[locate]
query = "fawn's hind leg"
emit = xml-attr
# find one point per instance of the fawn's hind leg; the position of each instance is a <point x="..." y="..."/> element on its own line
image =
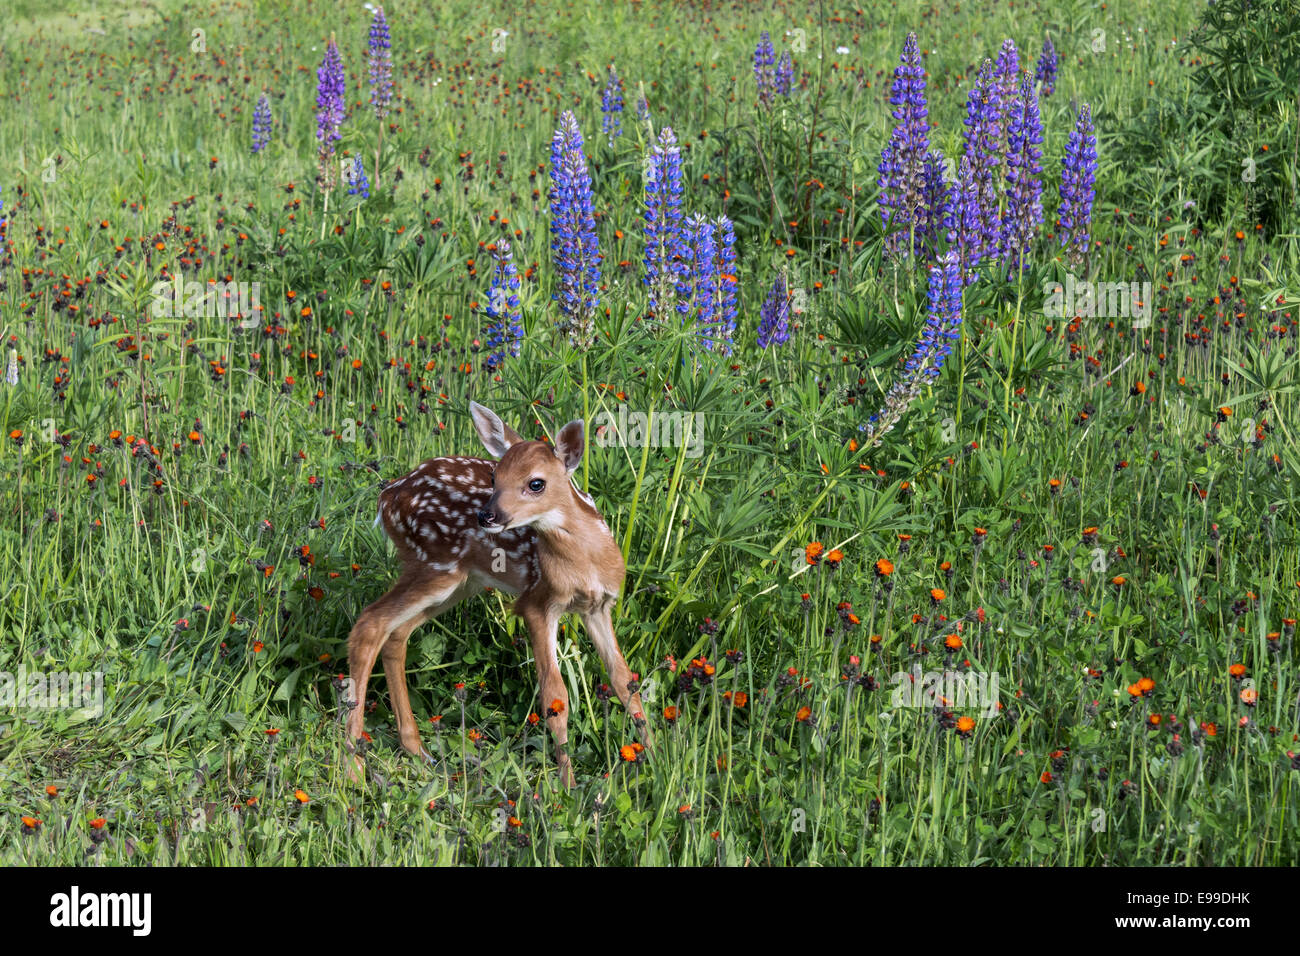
<point x="442" y="595"/>
<point x="412" y="600"/>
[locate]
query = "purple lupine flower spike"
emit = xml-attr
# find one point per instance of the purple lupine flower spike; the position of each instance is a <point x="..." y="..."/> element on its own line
<point x="1008" y="79"/>
<point x="358" y="182"/>
<point x="784" y="74"/>
<point x="663" y="219"/>
<point x="611" y="105"/>
<point x="728" y="283"/>
<point x="506" y="331"/>
<point x="708" y="289"/>
<point x="983" y="152"/>
<point x="573" y="233"/>
<point x="774" y="316"/>
<point x="942" y="329"/>
<point x="939" y="200"/>
<point x="330" y="110"/>
<point x="902" y="174"/>
<point x="380" y="60"/>
<point x="1078" y="178"/>
<point x="697" y="286"/>
<point x="966" y="221"/>
<point x="261" y="124"/>
<point x="764" y="72"/>
<point x="1045" y="71"/>
<point x="1024" y="186"/>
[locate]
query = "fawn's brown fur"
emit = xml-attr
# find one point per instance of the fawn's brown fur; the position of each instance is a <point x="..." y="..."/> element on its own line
<point x="518" y="524"/>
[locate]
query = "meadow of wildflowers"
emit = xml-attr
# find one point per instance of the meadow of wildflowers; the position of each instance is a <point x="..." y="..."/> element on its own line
<point x="958" y="494"/>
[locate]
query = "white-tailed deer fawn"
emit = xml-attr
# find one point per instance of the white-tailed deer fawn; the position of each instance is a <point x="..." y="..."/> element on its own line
<point x="517" y="524"/>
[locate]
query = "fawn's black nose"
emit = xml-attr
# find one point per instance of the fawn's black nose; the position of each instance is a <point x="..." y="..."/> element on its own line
<point x="486" y="519"/>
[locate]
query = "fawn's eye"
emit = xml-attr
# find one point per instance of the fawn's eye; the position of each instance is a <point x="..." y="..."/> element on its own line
<point x="536" y="484"/>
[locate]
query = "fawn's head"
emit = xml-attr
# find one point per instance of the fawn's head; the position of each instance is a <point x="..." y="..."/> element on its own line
<point x="530" y="484"/>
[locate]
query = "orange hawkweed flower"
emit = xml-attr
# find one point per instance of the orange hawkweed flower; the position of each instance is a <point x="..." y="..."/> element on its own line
<point x="740" y="699"/>
<point x="937" y="595"/>
<point x="1146" y="685"/>
<point x="965" y="725"/>
<point x="952" y="642"/>
<point x="52" y="791"/>
<point x="835" y="556"/>
<point x="814" y="552"/>
<point x="556" y="708"/>
<point x="301" y="796"/>
<point x="1249" y="696"/>
<point x="1238" y="671"/>
<point x="671" y="714"/>
<point x="804" y="713"/>
<point x="884" y="567"/>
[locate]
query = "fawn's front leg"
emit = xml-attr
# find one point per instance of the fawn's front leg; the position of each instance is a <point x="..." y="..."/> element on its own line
<point x="542" y="624"/>
<point x="600" y="626"/>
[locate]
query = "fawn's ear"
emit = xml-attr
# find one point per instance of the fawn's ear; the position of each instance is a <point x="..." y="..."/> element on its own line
<point x="497" y="436"/>
<point x="568" y="445"/>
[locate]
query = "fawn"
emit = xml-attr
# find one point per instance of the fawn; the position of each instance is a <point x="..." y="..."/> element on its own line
<point x="518" y="524"/>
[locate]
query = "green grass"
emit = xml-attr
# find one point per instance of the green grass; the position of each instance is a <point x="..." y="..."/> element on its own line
<point x="181" y="574"/>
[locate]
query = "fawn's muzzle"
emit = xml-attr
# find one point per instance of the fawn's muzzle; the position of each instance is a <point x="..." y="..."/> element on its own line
<point x="488" y="518"/>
